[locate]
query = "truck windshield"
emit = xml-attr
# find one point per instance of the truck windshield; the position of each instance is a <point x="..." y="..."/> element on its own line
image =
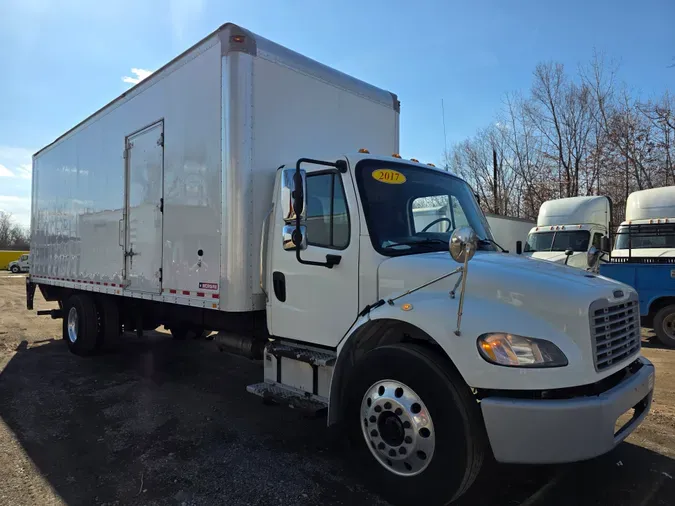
<point x="646" y="236"/>
<point x="412" y="209"/>
<point x="576" y="240"/>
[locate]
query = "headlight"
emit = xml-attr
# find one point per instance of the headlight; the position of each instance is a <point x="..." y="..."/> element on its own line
<point x="518" y="351"/>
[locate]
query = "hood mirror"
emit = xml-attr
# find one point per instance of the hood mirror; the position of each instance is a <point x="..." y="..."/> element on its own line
<point x="593" y="257"/>
<point x="463" y="244"/>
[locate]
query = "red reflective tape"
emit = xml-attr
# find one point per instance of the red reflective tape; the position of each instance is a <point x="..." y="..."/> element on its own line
<point x="105" y="284"/>
<point x="172" y="290"/>
<point x="186" y="292"/>
<point x="98" y="282"/>
<point x="200" y="294"/>
<point x="113" y="284"/>
<point x="215" y="296"/>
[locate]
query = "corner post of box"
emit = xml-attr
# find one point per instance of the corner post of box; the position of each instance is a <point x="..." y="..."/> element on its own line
<point x="235" y="38"/>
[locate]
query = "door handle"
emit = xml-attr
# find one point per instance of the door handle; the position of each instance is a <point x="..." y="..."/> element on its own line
<point x="119" y="233"/>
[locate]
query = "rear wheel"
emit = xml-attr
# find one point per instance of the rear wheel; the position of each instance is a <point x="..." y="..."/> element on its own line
<point x="80" y="324"/>
<point x="664" y="325"/>
<point x="415" y="424"/>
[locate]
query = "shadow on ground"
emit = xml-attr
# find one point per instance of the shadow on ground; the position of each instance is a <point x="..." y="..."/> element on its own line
<point x="166" y="422"/>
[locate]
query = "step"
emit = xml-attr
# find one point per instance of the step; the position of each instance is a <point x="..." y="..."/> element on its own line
<point x="302" y="354"/>
<point x="306" y="403"/>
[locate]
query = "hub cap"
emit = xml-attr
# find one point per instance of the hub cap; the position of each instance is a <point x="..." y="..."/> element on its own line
<point x="397" y="427"/>
<point x="72" y="325"/>
<point x="669" y="325"/>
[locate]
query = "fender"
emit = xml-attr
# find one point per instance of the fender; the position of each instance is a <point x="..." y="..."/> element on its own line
<point x="432" y="316"/>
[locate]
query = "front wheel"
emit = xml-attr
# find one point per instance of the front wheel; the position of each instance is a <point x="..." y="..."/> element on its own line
<point x="664" y="325"/>
<point x="415" y="424"/>
<point x="16" y="269"/>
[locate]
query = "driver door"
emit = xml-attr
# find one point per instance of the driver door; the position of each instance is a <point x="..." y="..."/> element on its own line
<point x="313" y="303"/>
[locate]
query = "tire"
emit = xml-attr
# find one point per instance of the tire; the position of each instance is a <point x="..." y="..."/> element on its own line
<point x="109" y="327"/>
<point x="453" y="444"/>
<point x="80" y="324"/>
<point x="16" y="269"/>
<point x="664" y="325"/>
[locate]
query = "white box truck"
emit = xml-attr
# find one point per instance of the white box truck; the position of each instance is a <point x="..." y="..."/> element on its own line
<point x="649" y="228"/>
<point x="568" y="228"/>
<point x="224" y="192"/>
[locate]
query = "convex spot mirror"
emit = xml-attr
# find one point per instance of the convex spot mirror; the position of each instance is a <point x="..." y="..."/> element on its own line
<point x="463" y="244"/>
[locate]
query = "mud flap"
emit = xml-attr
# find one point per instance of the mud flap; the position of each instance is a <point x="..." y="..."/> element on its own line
<point x="30" y="293"/>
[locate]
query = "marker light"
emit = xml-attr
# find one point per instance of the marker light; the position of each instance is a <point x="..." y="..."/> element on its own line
<point x="364" y="150"/>
<point x="431" y="165"/>
<point x="395" y="155"/>
<point x="238" y="39"/>
<point x="414" y="160"/>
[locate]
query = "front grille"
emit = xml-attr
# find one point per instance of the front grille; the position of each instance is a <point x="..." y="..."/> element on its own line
<point x="615" y="331"/>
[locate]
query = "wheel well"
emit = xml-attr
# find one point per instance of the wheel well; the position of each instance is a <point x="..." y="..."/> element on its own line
<point x="372" y="335"/>
<point x="659" y="304"/>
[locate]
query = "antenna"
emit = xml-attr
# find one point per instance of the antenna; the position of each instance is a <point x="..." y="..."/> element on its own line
<point x="445" y="134"/>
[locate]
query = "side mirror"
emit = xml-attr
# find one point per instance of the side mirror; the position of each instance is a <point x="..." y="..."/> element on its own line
<point x="593" y="257"/>
<point x="605" y="245"/>
<point x="519" y="247"/>
<point x="463" y="244"/>
<point x="293" y="237"/>
<point x="293" y="191"/>
<point x="568" y="252"/>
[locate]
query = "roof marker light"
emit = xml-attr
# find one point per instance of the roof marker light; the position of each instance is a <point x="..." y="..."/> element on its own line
<point x="364" y="150"/>
<point x="431" y="165"/>
<point x="395" y="155"/>
<point x="414" y="160"/>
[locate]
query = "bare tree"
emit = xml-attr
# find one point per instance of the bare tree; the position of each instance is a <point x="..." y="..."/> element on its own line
<point x="12" y="235"/>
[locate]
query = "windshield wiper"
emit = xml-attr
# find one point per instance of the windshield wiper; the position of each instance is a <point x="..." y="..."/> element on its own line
<point x="424" y="242"/>
<point x="492" y="241"/>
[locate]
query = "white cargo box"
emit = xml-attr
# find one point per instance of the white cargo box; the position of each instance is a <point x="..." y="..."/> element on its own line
<point x="196" y="145"/>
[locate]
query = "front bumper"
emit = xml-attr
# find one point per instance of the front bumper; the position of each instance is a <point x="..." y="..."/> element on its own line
<point x="553" y="431"/>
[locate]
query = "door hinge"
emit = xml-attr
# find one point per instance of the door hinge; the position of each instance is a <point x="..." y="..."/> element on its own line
<point x="161" y="205"/>
<point x="160" y="141"/>
<point x="125" y="153"/>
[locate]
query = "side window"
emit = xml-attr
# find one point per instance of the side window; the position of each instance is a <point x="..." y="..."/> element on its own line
<point x="327" y="215"/>
<point x="597" y="240"/>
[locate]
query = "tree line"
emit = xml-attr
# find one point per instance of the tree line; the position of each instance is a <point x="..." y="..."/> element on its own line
<point x="12" y="235"/>
<point x="571" y="134"/>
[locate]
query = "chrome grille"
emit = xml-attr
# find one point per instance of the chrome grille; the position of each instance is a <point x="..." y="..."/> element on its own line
<point x="615" y="331"/>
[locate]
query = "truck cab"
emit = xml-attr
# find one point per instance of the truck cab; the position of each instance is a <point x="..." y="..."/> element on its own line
<point x="20" y="265"/>
<point x="649" y="228"/>
<point x="568" y="228"/>
<point x="416" y="334"/>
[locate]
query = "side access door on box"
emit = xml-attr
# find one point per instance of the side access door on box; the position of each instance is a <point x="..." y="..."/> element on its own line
<point x="144" y="209"/>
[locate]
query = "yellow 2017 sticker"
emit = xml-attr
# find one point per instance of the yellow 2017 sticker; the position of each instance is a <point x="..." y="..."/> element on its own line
<point x="388" y="176"/>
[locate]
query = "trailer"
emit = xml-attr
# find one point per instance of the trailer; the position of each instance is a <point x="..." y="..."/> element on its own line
<point x="248" y="190"/>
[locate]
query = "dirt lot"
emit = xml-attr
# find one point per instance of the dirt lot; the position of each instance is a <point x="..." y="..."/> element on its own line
<point x="158" y="421"/>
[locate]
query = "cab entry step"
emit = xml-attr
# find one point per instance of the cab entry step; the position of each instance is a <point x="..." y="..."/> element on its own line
<point x="306" y="403"/>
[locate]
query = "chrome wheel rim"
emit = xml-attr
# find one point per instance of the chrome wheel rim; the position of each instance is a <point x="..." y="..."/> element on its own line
<point x="72" y="325"/>
<point x="397" y="427"/>
<point x="669" y="325"/>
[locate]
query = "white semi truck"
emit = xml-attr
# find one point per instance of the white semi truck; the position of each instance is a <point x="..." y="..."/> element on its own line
<point x="649" y="228"/>
<point x="568" y="228"/>
<point x="233" y="200"/>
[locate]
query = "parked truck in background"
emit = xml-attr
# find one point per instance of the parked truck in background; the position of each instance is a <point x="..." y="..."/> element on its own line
<point x="644" y="258"/>
<point x="568" y="228"/>
<point x="22" y="264"/>
<point x="234" y="201"/>
<point x="648" y="230"/>
<point x="8" y="257"/>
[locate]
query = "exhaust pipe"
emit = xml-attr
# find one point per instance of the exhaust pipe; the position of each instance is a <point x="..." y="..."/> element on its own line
<point x="249" y="347"/>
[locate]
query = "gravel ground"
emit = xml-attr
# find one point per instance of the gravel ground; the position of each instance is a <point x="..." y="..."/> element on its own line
<point x="157" y="421"/>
